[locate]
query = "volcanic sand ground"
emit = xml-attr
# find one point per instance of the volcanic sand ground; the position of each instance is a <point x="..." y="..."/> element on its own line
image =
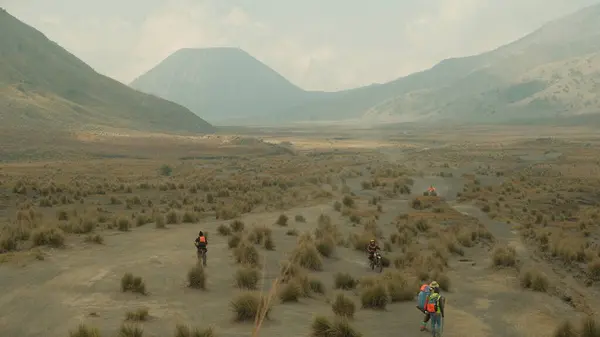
<point x="81" y="284"/>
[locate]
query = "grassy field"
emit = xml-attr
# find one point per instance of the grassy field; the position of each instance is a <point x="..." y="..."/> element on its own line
<point x="97" y="232"/>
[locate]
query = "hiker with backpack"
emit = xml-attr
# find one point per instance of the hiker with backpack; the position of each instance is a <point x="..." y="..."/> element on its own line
<point x="424" y="293"/>
<point x="435" y="308"/>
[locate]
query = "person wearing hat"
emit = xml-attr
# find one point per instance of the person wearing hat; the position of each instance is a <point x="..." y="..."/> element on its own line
<point x="426" y="291"/>
<point x="435" y="309"/>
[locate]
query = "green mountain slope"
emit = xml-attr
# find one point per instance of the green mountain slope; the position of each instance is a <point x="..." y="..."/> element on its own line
<point x="44" y="86"/>
<point x="221" y="84"/>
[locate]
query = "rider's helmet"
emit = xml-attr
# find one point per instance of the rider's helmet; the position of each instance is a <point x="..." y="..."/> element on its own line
<point x="201" y="233"/>
<point x="372" y="241"/>
<point x="434" y="285"/>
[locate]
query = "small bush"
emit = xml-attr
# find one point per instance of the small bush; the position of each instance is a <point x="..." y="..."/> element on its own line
<point x="133" y="284"/>
<point x="374" y="297"/>
<point x="504" y="256"/>
<point x="322" y="327"/>
<point x="234" y="241"/>
<point x="326" y="246"/>
<point x="316" y="286"/>
<point x="237" y="226"/>
<point x="123" y="224"/>
<point x="186" y="331"/>
<point x="348" y="201"/>
<point x="269" y="244"/>
<point x="290" y="292"/>
<point x="534" y="280"/>
<point x="309" y="257"/>
<point x="594" y="269"/>
<point x="399" y="290"/>
<point x="84" y="331"/>
<point x="245" y="253"/>
<point x="247" y="306"/>
<point x="292" y="232"/>
<point x="130" y="330"/>
<point x="223" y="230"/>
<point x="590" y="327"/>
<point x="247" y="278"/>
<point x="141" y="314"/>
<point x="282" y="220"/>
<point x="300" y="218"/>
<point x="51" y="236"/>
<point x="172" y="218"/>
<point x="197" y="277"/>
<point x="442" y="279"/>
<point x="97" y="238"/>
<point x="344" y="281"/>
<point x="566" y="329"/>
<point x="159" y="221"/>
<point x="343" y="306"/>
<point x="290" y="270"/>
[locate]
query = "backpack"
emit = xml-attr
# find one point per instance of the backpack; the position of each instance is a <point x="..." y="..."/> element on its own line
<point x="422" y="297"/>
<point x="433" y="303"/>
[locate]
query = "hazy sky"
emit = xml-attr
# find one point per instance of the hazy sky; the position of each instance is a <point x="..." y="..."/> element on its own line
<point x="326" y="44"/>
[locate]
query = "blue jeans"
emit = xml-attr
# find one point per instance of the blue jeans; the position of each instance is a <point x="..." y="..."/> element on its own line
<point x="436" y="324"/>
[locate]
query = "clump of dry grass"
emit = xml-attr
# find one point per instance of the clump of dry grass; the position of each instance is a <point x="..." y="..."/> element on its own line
<point x="248" y="305"/>
<point x="84" y="331"/>
<point x="123" y="224"/>
<point x="282" y="220"/>
<point x="187" y="331"/>
<point x="398" y="288"/>
<point x="594" y="269"/>
<point x="48" y="236"/>
<point x="535" y="280"/>
<point x="224" y="230"/>
<point x="197" y="277"/>
<point x="374" y="297"/>
<point x="138" y="315"/>
<point x="247" y="278"/>
<point x="290" y="292"/>
<point x="325" y="246"/>
<point x="234" y="241"/>
<point x="323" y="327"/>
<point x="344" y="281"/>
<point x="504" y="256"/>
<point x="133" y="284"/>
<point x="131" y="330"/>
<point x="97" y="238"/>
<point x="308" y="256"/>
<point x="316" y="286"/>
<point x="589" y="328"/>
<point x="159" y="221"/>
<point x="237" y="226"/>
<point x="343" y="306"/>
<point x="245" y="253"/>
<point x="259" y="234"/>
<point x="269" y="243"/>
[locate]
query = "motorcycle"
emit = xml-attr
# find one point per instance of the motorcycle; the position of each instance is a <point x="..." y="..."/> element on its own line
<point x="201" y="254"/>
<point x="376" y="262"/>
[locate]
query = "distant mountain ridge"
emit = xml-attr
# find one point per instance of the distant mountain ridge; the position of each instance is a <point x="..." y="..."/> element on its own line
<point x="219" y="83"/>
<point x="43" y="86"/>
<point x="554" y="72"/>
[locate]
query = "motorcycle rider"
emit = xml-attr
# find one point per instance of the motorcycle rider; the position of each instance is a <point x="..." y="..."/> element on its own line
<point x="372" y="248"/>
<point x="201" y="242"/>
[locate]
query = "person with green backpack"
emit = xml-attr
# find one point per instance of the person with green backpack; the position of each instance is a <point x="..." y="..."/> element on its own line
<point x="435" y="309"/>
